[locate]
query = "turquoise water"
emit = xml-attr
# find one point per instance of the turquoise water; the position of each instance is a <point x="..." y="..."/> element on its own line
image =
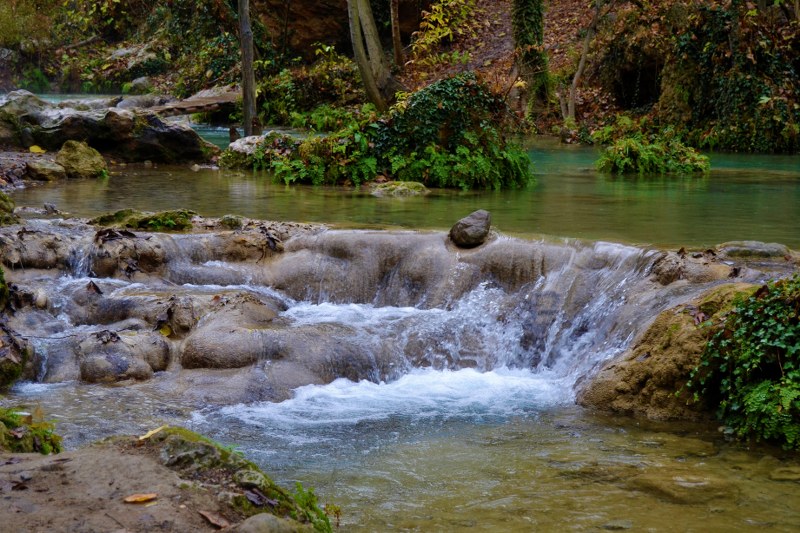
<point x="744" y="197"/>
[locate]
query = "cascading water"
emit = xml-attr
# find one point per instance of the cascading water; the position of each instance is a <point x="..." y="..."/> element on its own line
<point x="409" y="362"/>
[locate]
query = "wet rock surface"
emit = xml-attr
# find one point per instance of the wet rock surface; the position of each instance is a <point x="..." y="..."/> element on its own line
<point x="472" y="230"/>
<point x="646" y="380"/>
<point x="128" y="135"/>
<point x="212" y="308"/>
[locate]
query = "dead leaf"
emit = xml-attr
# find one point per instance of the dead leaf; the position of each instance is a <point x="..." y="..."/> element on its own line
<point x="141" y="498"/>
<point x="153" y="432"/>
<point x="37" y="149"/>
<point x="215" y="520"/>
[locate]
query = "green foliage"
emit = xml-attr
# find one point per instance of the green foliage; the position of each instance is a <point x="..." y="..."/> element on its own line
<point x="445" y="135"/>
<point x="34" y="80"/>
<point x="24" y="21"/>
<point x="750" y="368"/>
<point x="527" y="19"/>
<point x="656" y="154"/>
<point x="446" y="21"/>
<point x="448" y="135"/>
<point x="307" y="502"/>
<point x="287" y="96"/>
<point x="27" y="433"/>
<point x="741" y="79"/>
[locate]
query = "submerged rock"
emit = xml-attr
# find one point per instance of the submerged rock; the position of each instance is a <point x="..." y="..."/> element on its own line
<point x="79" y="160"/>
<point x="753" y="249"/>
<point x="472" y="230"/>
<point x="45" y="170"/>
<point x="399" y="188"/>
<point x="684" y="486"/>
<point x="645" y="379"/>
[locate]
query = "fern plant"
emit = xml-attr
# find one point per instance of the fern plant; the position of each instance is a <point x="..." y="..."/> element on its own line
<point x="750" y="368"/>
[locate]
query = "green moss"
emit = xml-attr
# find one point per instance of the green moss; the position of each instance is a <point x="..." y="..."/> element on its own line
<point x="7" y="210"/>
<point x="175" y="220"/>
<point x="22" y="433"/>
<point x="204" y="453"/>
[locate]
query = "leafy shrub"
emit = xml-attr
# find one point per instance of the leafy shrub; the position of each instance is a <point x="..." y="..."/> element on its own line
<point x="442" y="24"/>
<point x="750" y="368"/>
<point x="449" y="135"/>
<point x="740" y="82"/>
<point x="286" y="97"/>
<point x="658" y="154"/>
<point x="446" y="135"/>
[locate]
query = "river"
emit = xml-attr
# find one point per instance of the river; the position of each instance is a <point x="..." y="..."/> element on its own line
<point x="496" y="443"/>
<point x="750" y="197"/>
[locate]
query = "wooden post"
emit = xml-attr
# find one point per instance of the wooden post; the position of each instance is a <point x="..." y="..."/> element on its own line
<point x="248" y="76"/>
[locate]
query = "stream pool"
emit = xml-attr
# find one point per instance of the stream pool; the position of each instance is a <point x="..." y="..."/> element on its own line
<point x="743" y="198"/>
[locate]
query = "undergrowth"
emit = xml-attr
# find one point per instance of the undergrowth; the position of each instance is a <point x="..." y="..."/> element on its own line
<point x="449" y="134"/>
<point x="750" y="369"/>
<point x="638" y="153"/>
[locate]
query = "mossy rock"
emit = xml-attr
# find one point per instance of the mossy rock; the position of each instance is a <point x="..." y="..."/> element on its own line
<point x="400" y="189"/>
<point x="175" y="220"/>
<point x="20" y="433"/>
<point x="190" y="453"/>
<point x="7" y="210"/>
<point x="81" y="160"/>
<point x="649" y="378"/>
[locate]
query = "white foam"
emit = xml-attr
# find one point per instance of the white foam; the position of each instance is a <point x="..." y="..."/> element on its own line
<point x="420" y="395"/>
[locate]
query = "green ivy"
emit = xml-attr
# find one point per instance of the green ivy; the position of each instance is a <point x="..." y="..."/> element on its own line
<point x="750" y="368"/>
<point x="744" y="79"/>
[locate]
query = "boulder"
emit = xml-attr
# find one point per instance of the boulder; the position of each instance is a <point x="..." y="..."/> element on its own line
<point x="753" y="249"/>
<point x="128" y="135"/>
<point x="108" y="356"/>
<point x="141" y="85"/>
<point x="79" y="160"/>
<point x="13" y="354"/>
<point x="45" y="170"/>
<point x="644" y="380"/>
<point x="472" y="230"/>
<point x="229" y="335"/>
<point x="695" y="267"/>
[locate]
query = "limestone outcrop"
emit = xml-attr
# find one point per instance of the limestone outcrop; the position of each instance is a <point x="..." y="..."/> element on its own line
<point x="124" y="134"/>
<point x="648" y="379"/>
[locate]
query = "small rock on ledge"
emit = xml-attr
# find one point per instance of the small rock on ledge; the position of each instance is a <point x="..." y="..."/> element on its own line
<point x="472" y="230"/>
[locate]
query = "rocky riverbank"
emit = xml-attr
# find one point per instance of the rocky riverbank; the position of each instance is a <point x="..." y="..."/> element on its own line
<point x="171" y="480"/>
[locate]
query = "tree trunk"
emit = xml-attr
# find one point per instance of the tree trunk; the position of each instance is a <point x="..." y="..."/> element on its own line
<point x="364" y="66"/>
<point x="397" y="44"/>
<point x="379" y="82"/>
<point x="248" y="76"/>
<point x="590" y="32"/>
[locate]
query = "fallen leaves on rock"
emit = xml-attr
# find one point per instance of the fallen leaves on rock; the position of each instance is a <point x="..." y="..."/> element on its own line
<point x="141" y="498"/>
<point x="215" y="519"/>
